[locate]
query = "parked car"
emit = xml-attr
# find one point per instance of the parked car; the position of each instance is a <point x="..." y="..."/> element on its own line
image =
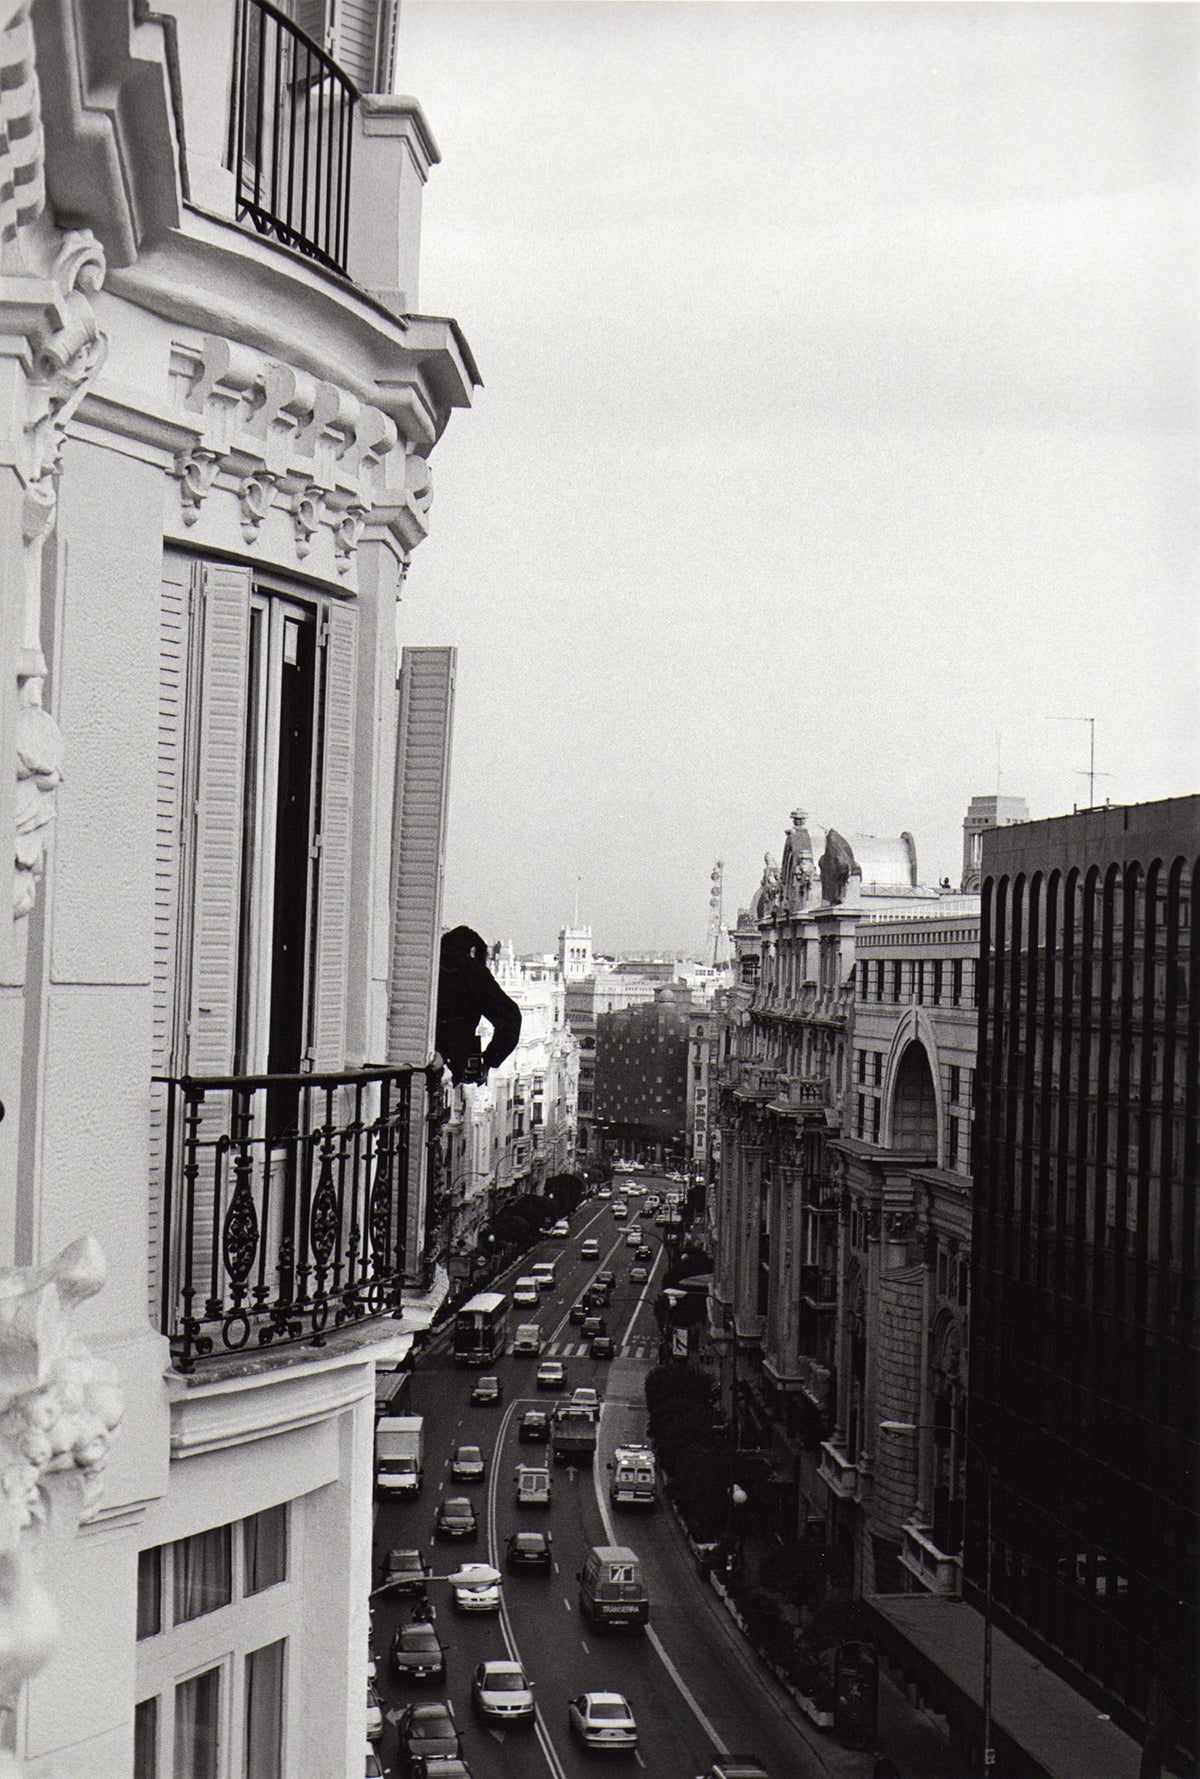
<point x="374" y="1715"/>
<point x="467" y="1464"/>
<point x="405" y="1571"/>
<point x="423" y="1730"/>
<point x="534" y="1427"/>
<point x="551" y="1375"/>
<point x="602" y="1346"/>
<point x="589" y="1248"/>
<point x="476" y="1596"/>
<point x="456" y="1518"/>
<point x="375" y="1768"/>
<point x="486" y="1389"/>
<point x="501" y="1691"/>
<point x="602" y="1720"/>
<point x="560" y="1229"/>
<point x="638" y="1275"/>
<point x="604" y="1192"/>
<point x="528" y="1550"/>
<point x="416" y="1653"/>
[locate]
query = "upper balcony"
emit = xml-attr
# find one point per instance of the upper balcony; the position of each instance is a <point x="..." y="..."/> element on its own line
<point x="287" y="1209"/>
<point x="936" y="1572"/>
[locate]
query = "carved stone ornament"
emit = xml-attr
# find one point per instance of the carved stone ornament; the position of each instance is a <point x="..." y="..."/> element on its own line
<point x="59" y="1410"/>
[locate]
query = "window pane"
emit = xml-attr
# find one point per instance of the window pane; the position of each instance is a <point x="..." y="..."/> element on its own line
<point x="197" y="1725"/>
<point x="264" y="1712"/>
<point x="145" y="1740"/>
<point x="203" y="1573"/>
<point x="265" y="1549"/>
<point x="149" y="1607"/>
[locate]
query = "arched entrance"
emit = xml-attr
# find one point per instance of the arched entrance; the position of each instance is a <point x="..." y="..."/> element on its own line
<point x="914" y="1104"/>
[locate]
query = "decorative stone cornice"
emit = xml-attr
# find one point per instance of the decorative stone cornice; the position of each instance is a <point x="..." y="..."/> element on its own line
<point x="282" y="440"/>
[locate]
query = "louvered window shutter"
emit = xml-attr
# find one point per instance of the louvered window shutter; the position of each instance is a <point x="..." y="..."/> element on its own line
<point x="313" y="18"/>
<point x="220" y="801"/>
<point x="334" y="817"/>
<point x="418" y="865"/>
<point x="422" y="788"/>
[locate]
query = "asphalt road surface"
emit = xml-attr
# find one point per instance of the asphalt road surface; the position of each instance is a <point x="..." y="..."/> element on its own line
<point x="695" y="1691"/>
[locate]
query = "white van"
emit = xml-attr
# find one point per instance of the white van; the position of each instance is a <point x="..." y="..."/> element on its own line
<point x="528" y="1338"/>
<point x="543" y="1272"/>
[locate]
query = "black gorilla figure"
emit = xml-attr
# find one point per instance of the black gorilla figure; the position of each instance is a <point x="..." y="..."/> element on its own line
<point x="467" y="993"/>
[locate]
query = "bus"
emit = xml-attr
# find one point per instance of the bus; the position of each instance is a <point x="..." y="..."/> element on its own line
<point x="481" y="1328"/>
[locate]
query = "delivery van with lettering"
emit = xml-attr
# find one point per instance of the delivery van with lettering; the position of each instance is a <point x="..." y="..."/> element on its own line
<point x="612" y="1587"/>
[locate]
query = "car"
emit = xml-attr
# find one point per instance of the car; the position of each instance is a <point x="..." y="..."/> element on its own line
<point x="604" y="1192"/>
<point x="645" y="1252"/>
<point x="651" y="1202"/>
<point x="476" y="1596"/>
<point x="374" y="1768"/>
<point x="487" y="1389"/>
<point x="638" y="1275"/>
<point x="597" y="1296"/>
<point x="602" y="1347"/>
<point x="579" y="1311"/>
<point x="423" y="1730"/>
<point x="606" y="1276"/>
<point x="592" y="1325"/>
<point x="456" y="1518"/>
<point x="528" y="1338"/>
<point x="589" y="1249"/>
<point x="405" y="1571"/>
<point x="602" y="1720"/>
<point x="468" y="1464"/>
<point x="527" y="1550"/>
<point x="532" y="1485"/>
<point x="632" y="1237"/>
<point x="736" y="1766"/>
<point x="525" y="1291"/>
<point x="439" y="1766"/>
<point x="561" y="1228"/>
<point x="586" y="1397"/>
<point x="619" y="1208"/>
<point x="551" y="1375"/>
<point x="501" y="1691"/>
<point x="416" y="1653"/>
<point x="534" y="1427"/>
<point x="374" y="1715"/>
<point x="372" y="1669"/>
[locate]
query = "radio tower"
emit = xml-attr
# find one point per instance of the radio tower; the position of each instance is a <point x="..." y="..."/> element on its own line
<point x="715" y="905"/>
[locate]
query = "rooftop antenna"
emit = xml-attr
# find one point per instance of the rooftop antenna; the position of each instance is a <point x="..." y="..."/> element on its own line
<point x="716" y="898"/>
<point x="1091" y="774"/>
<point x="577" y="904"/>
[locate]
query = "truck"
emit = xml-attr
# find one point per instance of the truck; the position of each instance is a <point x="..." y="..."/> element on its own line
<point x="528" y="1338"/>
<point x="399" y="1449"/>
<point x="573" y="1434"/>
<point x="634" y="1482"/>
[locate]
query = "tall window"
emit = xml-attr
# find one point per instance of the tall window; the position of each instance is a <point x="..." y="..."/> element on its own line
<point x="145" y="1740"/>
<point x="198" y="1726"/>
<point x="264" y="1544"/>
<point x="203" y="1573"/>
<point x="264" y="1712"/>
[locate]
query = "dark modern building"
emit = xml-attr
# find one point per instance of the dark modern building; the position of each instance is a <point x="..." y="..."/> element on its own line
<point x="1083" y="1347"/>
<point x="641" y="1094"/>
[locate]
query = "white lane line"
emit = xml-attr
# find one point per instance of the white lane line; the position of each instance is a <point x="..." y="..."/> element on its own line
<point x="688" y="1696"/>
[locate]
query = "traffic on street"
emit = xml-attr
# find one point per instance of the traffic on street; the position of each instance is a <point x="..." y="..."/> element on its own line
<point x="536" y="1608"/>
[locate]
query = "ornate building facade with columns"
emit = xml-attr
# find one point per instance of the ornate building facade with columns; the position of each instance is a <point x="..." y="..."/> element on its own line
<point x="227" y="803"/>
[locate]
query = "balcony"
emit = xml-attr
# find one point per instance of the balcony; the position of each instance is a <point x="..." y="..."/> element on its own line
<point x="818" y="1287"/>
<point x="816" y="1381"/>
<point x="290" y="135"/>
<point x="286" y="1205"/>
<point x="935" y="1571"/>
<point x="838" y="1472"/>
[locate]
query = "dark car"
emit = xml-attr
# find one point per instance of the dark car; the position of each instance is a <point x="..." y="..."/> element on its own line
<point x="405" y="1572"/>
<point x="468" y="1464"/>
<point x="456" y="1518"/>
<point x="602" y="1346"/>
<point x="486" y="1389"/>
<point x="579" y="1311"/>
<point x="592" y="1326"/>
<point x="440" y="1766"/>
<point x="527" y="1550"/>
<point x="606" y="1276"/>
<point x="427" y="1729"/>
<point x="534" y="1427"/>
<point x="598" y="1297"/>
<point x="417" y="1654"/>
<point x="644" y="1253"/>
<point x="638" y="1275"/>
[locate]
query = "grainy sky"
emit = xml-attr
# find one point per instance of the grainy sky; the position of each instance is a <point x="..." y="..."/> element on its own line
<point x="839" y="431"/>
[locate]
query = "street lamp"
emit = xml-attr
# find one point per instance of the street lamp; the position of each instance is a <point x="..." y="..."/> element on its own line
<point x="989" y="1752"/>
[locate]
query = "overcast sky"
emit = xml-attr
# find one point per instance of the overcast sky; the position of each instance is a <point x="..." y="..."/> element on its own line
<point x="838" y="432"/>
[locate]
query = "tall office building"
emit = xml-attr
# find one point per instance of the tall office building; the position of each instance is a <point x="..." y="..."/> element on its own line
<point x="1083" y="1374"/>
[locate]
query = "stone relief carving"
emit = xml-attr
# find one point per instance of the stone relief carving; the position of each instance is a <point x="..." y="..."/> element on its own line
<point x="60" y="1407"/>
<point x="277" y="437"/>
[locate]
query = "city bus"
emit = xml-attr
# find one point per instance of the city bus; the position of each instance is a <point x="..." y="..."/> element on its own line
<point x="481" y="1328"/>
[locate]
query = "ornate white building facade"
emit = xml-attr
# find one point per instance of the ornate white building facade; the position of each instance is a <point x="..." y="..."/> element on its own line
<point x="218" y="407"/>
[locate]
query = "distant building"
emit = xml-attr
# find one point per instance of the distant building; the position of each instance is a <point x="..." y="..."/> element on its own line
<point x="604" y="991"/>
<point x="641" y="1096"/>
<point x="984" y="814"/>
<point x="1084" y="1329"/>
<point x="575" y="953"/>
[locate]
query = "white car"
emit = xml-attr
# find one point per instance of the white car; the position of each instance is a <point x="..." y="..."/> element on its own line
<point x="526" y="1291"/>
<point x="585" y="1398"/>
<point x="468" y="1464"/>
<point x="590" y="1249"/>
<point x="561" y="1229"/>
<point x="604" y="1192"/>
<point x="620" y="1208"/>
<point x="603" y="1720"/>
<point x="501" y="1690"/>
<point x="550" y="1374"/>
<point x="374" y="1715"/>
<point x="477" y="1596"/>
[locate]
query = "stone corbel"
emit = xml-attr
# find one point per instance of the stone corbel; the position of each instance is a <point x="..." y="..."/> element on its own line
<point x="196" y="470"/>
<point x="306" y="517"/>
<point x="254" y="497"/>
<point x="347" y="531"/>
<point x="59" y="1410"/>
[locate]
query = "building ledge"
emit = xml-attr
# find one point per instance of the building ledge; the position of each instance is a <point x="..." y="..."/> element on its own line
<point x="837" y="1472"/>
<point x="930" y="1567"/>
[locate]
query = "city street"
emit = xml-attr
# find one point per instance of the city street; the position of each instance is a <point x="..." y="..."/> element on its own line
<point x="693" y="1693"/>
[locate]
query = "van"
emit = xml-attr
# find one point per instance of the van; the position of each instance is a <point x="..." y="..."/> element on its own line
<point x="528" y="1338"/>
<point x="533" y="1486"/>
<point x="612" y="1587"/>
<point x="543" y="1272"/>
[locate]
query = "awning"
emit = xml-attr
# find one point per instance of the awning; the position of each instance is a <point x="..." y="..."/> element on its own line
<point x="1032" y="1708"/>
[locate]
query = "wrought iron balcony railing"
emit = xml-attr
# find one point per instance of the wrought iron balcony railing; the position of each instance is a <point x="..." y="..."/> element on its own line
<point x="286" y="1204"/>
<point x="291" y="129"/>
